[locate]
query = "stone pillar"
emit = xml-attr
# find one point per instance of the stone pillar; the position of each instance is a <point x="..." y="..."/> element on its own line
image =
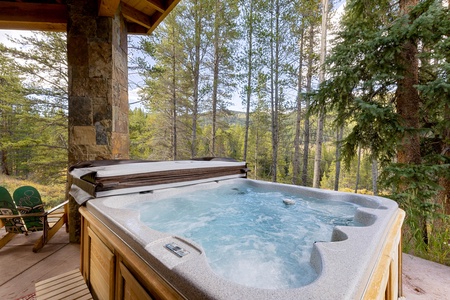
<point x="98" y="89"/>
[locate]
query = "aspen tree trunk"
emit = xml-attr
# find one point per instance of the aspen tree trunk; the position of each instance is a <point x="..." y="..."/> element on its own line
<point x="296" y="160"/>
<point x="358" y="169"/>
<point x="307" y="104"/>
<point x="196" y="75"/>
<point x="340" y="133"/>
<point x="174" y="99"/>
<point x="321" y="116"/>
<point x="375" y="176"/>
<point x="249" y="78"/>
<point x="274" y="91"/>
<point x="256" y="152"/>
<point x="216" y="76"/>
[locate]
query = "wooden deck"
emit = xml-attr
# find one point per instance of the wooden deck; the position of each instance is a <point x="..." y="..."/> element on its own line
<point x="20" y="268"/>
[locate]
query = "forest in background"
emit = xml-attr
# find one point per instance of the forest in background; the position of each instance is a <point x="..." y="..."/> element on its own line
<point x="359" y="106"/>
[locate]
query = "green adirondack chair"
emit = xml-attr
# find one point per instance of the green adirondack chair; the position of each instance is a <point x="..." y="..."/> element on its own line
<point x="13" y="225"/>
<point x="28" y="202"/>
<point x="27" y="214"/>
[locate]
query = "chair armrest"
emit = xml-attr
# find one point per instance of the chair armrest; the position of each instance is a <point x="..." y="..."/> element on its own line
<point x="40" y="214"/>
<point x="10" y="216"/>
<point x="57" y="207"/>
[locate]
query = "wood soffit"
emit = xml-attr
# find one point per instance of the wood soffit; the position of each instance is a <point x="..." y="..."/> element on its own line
<point x="142" y="16"/>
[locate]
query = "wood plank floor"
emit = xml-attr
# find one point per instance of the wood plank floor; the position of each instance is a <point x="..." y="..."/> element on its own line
<point x="20" y="268"/>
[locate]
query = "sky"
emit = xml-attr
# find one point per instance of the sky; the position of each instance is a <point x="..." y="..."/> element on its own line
<point x="14" y="33"/>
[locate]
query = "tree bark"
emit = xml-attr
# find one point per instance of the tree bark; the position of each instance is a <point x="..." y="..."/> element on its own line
<point x="408" y="101"/>
<point x="4" y="165"/>
<point x="196" y="75"/>
<point x="296" y="160"/>
<point x="174" y="98"/>
<point x="443" y="197"/>
<point x="249" y="77"/>
<point x="215" y="76"/>
<point x="408" y="105"/>
<point x="309" y="75"/>
<point x="274" y="91"/>
<point x="375" y="176"/>
<point x="340" y="133"/>
<point x="321" y="116"/>
<point x="358" y="169"/>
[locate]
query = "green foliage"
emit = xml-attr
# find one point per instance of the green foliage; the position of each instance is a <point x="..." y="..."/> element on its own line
<point x="34" y="139"/>
<point x="423" y="217"/>
<point x="365" y="71"/>
<point x="348" y="175"/>
<point x="139" y="134"/>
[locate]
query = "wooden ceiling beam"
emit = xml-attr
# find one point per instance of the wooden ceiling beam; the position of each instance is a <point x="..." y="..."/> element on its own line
<point x="157" y="17"/>
<point x="135" y="16"/>
<point x="23" y="15"/>
<point x="158" y="5"/>
<point x="33" y="16"/>
<point x="38" y="26"/>
<point x="107" y="8"/>
<point x="136" y="29"/>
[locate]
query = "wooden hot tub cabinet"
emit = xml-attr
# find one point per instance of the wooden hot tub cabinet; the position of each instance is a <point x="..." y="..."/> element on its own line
<point x="112" y="270"/>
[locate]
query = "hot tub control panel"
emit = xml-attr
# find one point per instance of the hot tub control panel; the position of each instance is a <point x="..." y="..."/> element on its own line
<point x="177" y="249"/>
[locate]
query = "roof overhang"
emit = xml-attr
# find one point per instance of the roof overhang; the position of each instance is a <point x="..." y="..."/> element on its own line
<point x="142" y="16"/>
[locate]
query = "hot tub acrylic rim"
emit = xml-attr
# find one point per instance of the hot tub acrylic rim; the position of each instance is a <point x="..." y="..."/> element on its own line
<point x="139" y="237"/>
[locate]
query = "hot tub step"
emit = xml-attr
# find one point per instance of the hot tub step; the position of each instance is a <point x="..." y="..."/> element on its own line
<point x="70" y="285"/>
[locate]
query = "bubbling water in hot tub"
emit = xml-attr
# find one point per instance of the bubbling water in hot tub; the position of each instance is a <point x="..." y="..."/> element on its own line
<point x="257" y="238"/>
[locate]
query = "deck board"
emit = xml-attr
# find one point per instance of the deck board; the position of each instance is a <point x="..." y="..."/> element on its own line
<point x="66" y="286"/>
<point x="21" y="268"/>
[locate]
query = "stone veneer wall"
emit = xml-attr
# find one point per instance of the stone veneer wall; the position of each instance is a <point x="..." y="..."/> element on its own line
<point x="97" y="52"/>
<point x="98" y="84"/>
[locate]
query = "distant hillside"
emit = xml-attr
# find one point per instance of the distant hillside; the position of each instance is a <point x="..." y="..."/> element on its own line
<point x="231" y="117"/>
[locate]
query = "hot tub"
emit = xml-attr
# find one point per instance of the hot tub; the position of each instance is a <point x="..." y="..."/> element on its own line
<point x="356" y="261"/>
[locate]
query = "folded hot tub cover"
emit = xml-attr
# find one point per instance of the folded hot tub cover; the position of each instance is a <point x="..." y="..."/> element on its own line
<point x="94" y="179"/>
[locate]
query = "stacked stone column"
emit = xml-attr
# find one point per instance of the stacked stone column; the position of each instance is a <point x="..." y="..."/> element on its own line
<point x="98" y="84"/>
<point x="98" y="88"/>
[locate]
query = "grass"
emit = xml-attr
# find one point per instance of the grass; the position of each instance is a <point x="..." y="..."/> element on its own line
<point x="426" y="231"/>
<point x="437" y="246"/>
<point x="51" y="194"/>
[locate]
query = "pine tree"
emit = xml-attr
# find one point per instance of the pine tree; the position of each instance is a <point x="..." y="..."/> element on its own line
<point x="224" y="34"/>
<point x="398" y="108"/>
<point x="321" y="113"/>
<point x="12" y="102"/>
<point x="41" y="148"/>
<point x="164" y="87"/>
